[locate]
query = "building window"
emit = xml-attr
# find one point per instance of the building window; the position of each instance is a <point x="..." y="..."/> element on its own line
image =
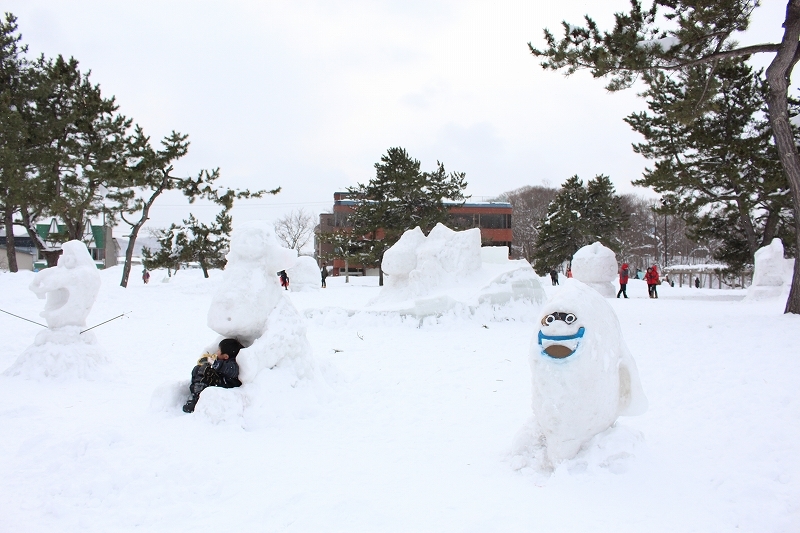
<point x="462" y="221"/>
<point x="494" y="221"/>
<point x="341" y="220"/>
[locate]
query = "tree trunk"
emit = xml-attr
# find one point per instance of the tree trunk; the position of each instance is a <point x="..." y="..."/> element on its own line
<point x="203" y="266"/>
<point x="778" y="74"/>
<point x="11" y="250"/>
<point x="126" y="269"/>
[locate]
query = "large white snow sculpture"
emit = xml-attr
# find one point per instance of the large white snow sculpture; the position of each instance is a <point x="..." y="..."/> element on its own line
<point x="251" y="306"/>
<point x="305" y="275"/>
<point x="772" y="273"/>
<point x="583" y="375"/>
<point x="416" y="264"/>
<point x="70" y="289"/>
<point x="596" y="266"/>
<point x="449" y="269"/>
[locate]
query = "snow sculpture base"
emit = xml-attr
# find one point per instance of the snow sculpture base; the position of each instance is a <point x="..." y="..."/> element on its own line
<point x="61" y="353"/>
<point x="583" y="376"/>
<point x="596" y="266"/>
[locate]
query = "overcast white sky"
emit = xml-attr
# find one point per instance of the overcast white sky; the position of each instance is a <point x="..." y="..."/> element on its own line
<point x="308" y="94"/>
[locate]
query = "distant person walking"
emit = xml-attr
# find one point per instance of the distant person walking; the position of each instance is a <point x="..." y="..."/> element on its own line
<point x="569" y="271"/>
<point x="554" y="277"/>
<point x="623" y="280"/>
<point x="697" y="283"/>
<point x="651" y="278"/>
<point x="284" y="279"/>
<point x="145" y="276"/>
<point x="324" y="274"/>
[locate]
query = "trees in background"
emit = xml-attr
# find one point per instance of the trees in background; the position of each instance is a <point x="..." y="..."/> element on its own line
<point x="530" y="205"/>
<point x="579" y="215"/>
<point x="401" y="197"/>
<point x="693" y="40"/>
<point x="66" y="152"/>
<point x="295" y="229"/>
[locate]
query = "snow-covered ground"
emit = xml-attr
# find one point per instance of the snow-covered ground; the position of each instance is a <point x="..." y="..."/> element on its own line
<point x="410" y="427"/>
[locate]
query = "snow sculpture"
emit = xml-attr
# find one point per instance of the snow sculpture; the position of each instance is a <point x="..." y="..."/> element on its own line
<point x="449" y="270"/>
<point x="596" y="266"/>
<point x="251" y="306"/>
<point x="305" y="275"/>
<point x="583" y="375"/>
<point x="70" y="289"/>
<point x="772" y="273"/>
<point x="417" y="264"/>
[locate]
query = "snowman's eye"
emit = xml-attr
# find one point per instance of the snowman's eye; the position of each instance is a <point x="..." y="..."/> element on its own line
<point x="570" y="318"/>
<point x="549" y="319"/>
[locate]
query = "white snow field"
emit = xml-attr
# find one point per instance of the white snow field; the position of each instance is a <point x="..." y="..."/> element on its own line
<point x="409" y="425"/>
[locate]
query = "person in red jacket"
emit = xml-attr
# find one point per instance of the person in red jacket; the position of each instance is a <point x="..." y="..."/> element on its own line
<point x="623" y="280"/>
<point x="651" y="277"/>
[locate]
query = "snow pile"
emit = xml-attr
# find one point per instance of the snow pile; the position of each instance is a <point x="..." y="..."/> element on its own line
<point x="62" y="350"/>
<point x="251" y="306"/>
<point x="448" y="270"/>
<point x="305" y="275"/>
<point x="583" y="378"/>
<point x="596" y="266"/>
<point x="772" y="272"/>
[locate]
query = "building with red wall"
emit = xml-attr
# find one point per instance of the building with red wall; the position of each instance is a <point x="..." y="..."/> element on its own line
<point x="493" y="218"/>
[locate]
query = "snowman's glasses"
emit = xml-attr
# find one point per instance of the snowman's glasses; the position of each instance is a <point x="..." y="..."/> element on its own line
<point x="569" y="318"/>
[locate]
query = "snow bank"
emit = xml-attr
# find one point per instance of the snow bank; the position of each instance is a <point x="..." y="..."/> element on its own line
<point x="305" y="275"/>
<point x="596" y="266"/>
<point x="251" y="306"/>
<point x="772" y="273"/>
<point x="449" y="271"/>
<point x="583" y="377"/>
<point x="61" y="350"/>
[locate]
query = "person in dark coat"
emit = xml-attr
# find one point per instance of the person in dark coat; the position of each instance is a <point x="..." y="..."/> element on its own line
<point x="219" y="369"/>
<point x="623" y="280"/>
<point x="284" y="279"/>
<point x="324" y="274"/>
<point x="554" y="277"/>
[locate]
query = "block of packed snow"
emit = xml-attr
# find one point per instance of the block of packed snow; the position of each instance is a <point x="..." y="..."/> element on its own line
<point x="70" y="289"/>
<point x="494" y="254"/>
<point x="596" y="266"/>
<point x="772" y="272"/>
<point x="583" y="376"/>
<point x="305" y="275"/>
<point x="417" y="265"/>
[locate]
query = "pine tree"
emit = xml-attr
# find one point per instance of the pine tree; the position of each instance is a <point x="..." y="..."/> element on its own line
<point x="576" y="217"/>
<point x="718" y="169"/>
<point x="692" y="38"/>
<point x="401" y="197"/>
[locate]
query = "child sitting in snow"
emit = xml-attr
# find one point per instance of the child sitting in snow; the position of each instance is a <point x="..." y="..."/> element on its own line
<point x="214" y="370"/>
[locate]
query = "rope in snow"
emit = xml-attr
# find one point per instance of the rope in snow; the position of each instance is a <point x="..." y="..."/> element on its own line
<point x="106" y="322"/>
<point x="23" y="318"/>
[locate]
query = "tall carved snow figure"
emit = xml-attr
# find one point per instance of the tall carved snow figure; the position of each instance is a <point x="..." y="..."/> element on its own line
<point x="596" y="266"/>
<point x="772" y="273"/>
<point x="251" y="307"/>
<point x="583" y="375"/>
<point x="70" y="289"/>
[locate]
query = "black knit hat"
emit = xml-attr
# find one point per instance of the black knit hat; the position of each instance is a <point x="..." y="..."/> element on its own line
<point x="230" y="347"/>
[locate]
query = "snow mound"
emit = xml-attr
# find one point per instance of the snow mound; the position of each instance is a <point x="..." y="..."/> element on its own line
<point x="305" y="275"/>
<point x="583" y="375"/>
<point x="772" y="273"/>
<point x="251" y="306"/>
<point x="596" y="266"/>
<point x="448" y="270"/>
<point x="62" y="351"/>
<point x="613" y="451"/>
